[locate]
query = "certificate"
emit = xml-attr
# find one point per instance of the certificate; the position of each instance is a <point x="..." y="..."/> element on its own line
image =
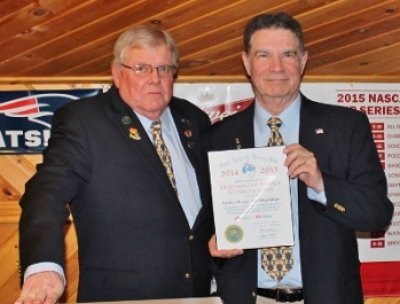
<point x="251" y="198"/>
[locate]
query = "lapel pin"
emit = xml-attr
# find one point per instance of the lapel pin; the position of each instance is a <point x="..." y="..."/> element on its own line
<point x="134" y="134"/>
<point x="126" y="120"/>
<point x="188" y="133"/>
<point x="186" y="121"/>
<point x="319" y="131"/>
<point x="238" y="144"/>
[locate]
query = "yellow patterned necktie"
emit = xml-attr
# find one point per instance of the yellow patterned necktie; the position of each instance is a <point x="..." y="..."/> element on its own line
<point x="276" y="261"/>
<point x="162" y="151"/>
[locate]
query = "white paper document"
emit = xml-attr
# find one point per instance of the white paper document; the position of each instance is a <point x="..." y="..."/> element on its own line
<point x="251" y="198"/>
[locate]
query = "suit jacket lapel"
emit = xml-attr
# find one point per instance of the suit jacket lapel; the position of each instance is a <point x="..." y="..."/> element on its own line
<point x="244" y="129"/>
<point x="185" y="131"/>
<point x="314" y="130"/>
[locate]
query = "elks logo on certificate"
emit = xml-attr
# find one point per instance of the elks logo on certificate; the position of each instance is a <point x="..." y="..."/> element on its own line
<point x="251" y="198"/>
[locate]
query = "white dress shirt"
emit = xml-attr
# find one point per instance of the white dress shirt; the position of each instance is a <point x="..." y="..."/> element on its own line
<point x="185" y="176"/>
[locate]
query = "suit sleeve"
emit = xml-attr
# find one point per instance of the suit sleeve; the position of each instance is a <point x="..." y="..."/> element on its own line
<point x="65" y="169"/>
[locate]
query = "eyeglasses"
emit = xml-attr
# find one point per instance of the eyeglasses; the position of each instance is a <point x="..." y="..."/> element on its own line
<point x="164" y="70"/>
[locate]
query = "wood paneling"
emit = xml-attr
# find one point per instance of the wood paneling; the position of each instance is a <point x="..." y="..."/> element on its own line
<point x="9" y="274"/>
<point x="15" y="170"/>
<point x="71" y="40"/>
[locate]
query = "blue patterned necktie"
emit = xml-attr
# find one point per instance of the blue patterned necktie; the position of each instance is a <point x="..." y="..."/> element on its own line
<point x="162" y="151"/>
<point x="276" y="261"/>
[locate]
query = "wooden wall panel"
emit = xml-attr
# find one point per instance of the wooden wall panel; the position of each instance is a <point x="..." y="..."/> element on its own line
<point x="71" y="41"/>
<point x="15" y="170"/>
<point x="9" y="274"/>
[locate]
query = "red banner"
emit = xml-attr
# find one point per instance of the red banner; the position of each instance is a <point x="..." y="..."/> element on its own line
<point x="381" y="279"/>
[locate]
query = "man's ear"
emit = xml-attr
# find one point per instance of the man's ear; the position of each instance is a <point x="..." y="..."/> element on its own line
<point x="246" y="63"/>
<point x="116" y="73"/>
<point x="303" y="59"/>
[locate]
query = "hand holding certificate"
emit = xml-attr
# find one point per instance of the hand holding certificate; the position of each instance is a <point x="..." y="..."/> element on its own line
<point x="251" y="198"/>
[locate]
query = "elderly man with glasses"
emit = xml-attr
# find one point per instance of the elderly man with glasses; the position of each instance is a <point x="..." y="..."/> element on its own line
<point x="130" y="167"/>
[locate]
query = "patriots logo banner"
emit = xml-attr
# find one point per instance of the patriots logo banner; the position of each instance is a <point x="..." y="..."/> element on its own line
<point x="25" y="117"/>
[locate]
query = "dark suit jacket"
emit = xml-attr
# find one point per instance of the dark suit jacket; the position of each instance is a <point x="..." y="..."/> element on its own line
<point x="355" y="188"/>
<point x="133" y="237"/>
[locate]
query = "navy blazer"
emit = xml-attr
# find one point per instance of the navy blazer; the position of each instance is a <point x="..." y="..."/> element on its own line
<point x="356" y="190"/>
<point x="134" y="239"/>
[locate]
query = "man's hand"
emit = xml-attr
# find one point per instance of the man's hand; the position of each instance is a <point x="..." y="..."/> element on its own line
<point x="42" y="288"/>
<point x="212" y="247"/>
<point x="302" y="164"/>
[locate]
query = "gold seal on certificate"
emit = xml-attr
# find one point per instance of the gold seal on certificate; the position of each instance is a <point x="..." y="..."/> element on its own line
<point x="251" y="198"/>
<point x="234" y="233"/>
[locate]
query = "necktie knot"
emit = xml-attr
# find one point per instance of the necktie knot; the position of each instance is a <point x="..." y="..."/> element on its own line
<point x="156" y="126"/>
<point x="274" y="123"/>
<point x="275" y="138"/>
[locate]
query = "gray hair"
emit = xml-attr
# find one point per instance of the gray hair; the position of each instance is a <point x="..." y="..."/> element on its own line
<point x="144" y="36"/>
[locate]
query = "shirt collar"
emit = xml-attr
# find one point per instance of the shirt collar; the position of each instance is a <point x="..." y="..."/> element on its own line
<point x="166" y="118"/>
<point x="290" y="114"/>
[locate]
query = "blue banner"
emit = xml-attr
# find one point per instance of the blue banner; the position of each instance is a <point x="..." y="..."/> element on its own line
<point x="25" y="117"/>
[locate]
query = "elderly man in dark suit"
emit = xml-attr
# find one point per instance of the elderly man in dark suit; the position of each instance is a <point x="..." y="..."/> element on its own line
<point x="142" y="224"/>
<point x="336" y="180"/>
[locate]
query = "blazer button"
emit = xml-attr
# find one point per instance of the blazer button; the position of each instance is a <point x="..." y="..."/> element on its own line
<point x="339" y="207"/>
<point x="188" y="275"/>
<point x="191" y="237"/>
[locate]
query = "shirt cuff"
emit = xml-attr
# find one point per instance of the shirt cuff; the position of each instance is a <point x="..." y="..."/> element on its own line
<point x="44" y="266"/>
<point x="319" y="197"/>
